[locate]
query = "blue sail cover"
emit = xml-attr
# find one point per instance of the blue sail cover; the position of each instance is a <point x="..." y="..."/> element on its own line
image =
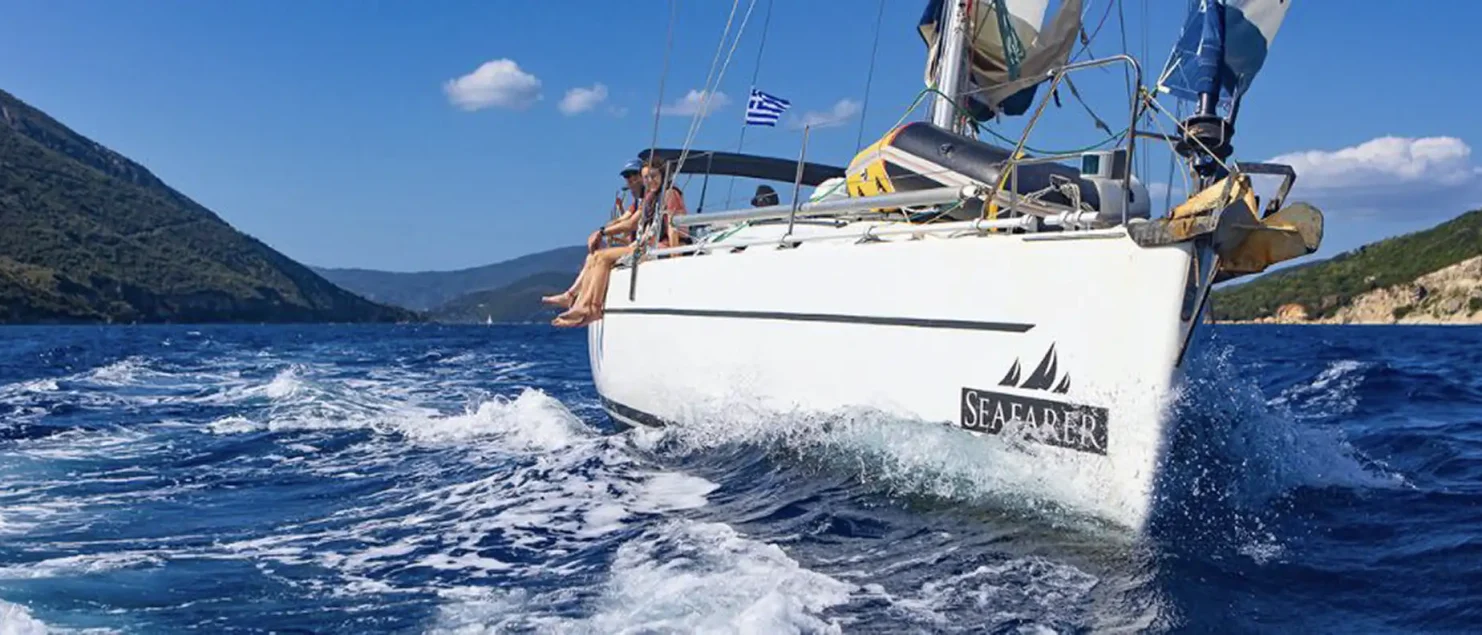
<point x="1222" y="48"/>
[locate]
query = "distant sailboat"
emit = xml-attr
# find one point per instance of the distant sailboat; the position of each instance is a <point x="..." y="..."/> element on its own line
<point x="935" y="268"/>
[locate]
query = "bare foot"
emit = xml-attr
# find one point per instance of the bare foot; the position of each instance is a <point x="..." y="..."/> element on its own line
<point x="561" y="299"/>
<point x="573" y="317"/>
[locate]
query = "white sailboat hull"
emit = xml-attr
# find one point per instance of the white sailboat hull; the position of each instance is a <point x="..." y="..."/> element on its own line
<point x="1059" y="349"/>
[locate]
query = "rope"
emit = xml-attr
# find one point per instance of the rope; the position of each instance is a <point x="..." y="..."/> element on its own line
<point x="869" y="78"/>
<point x="1003" y="178"/>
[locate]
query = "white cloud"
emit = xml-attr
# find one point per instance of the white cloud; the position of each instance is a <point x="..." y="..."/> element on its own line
<point x="1393" y="175"/>
<point x="617" y="111"/>
<point x="842" y="112"/>
<point x="1444" y="161"/>
<point x="580" y="100"/>
<point x="692" y="102"/>
<point x="496" y="83"/>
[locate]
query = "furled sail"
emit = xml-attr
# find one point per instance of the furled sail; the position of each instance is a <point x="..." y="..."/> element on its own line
<point x="1010" y="54"/>
<point x="1222" y="48"/>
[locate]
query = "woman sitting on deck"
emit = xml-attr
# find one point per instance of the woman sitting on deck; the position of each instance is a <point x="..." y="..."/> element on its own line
<point x="619" y="231"/>
<point x="591" y="293"/>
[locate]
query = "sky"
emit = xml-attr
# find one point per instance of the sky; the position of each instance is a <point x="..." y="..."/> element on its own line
<point x="431" y="136"/>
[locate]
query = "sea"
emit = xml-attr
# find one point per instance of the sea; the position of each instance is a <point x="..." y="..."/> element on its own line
<point x="463" y="479"/>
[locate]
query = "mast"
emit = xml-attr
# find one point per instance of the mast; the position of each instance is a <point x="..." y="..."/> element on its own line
<point x="951" y="66"/>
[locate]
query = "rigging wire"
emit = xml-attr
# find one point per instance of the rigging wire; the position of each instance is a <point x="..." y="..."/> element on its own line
<point x="1086" y="40"/>
<point x="756" y="71"/>
<point x="706" y="92"/>
<point x="869" y="78"/>
<point x="1147" y="159"/>
<point x="653" y="145"/>
<point x="1168" y="182"/>
<point x="1122" y="26"/>
<point x="710" y="92"/>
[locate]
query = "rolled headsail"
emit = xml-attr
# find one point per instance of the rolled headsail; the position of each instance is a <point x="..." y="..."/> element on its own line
<point x="1222" y="48"/>
<point x="1010" y="54"/>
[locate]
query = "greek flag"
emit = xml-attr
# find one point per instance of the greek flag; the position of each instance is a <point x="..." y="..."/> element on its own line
<point x="764" y="109"/>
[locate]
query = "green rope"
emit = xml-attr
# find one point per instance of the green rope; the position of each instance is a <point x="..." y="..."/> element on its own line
<point x="1115" y="137"/>
<point x="728" y="233"/>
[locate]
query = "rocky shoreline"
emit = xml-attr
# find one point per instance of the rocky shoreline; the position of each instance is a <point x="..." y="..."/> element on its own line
<point x="1449" y="296"/>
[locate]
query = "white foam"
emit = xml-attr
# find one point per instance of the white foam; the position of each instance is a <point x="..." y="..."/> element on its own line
<point x="120" y="373"/>
<point x="1332" y="393"/>
<point x="31" y="386"/>
<point x="233" y="425"/>
<point x="669" y="491"/>
<point x="681" y="576"/>
<point x="889" y="452"/>
<point x="1032" y="589"/>
<point x="16" y="620"/>
<point x="522" y="467"/>
<point x="78" y="565"/>
<point x="530" y="421"/>
<point x="285" y="384"/>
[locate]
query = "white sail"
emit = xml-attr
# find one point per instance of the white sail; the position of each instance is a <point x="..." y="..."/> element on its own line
<point x="1009" y="45"/>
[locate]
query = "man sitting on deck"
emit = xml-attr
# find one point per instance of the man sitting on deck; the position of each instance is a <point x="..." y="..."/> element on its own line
<point x="652" y="225"/>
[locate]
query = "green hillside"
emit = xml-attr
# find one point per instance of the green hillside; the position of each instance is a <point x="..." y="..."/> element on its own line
<point x="86" y="235"/>
<point x="1325" y="286"/>
<point x="518" y="301"/>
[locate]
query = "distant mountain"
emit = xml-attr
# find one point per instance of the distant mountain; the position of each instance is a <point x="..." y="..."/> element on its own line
<point x="518" y="301"/>
<point x="86" y="235"/>
<point x="1433" y="275"/>
<point x="424" y="290"/>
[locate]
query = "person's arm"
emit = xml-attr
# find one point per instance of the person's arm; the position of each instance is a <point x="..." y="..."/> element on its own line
<point x="624" y="224"/>
<point x="616" y="227"/>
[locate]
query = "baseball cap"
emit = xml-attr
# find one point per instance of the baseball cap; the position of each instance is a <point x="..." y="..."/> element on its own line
<point x="633" y="165"/>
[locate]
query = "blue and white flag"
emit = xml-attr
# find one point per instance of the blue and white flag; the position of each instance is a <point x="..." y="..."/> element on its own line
<point x="1223" y="46"/>
<point x="764" y="109"/>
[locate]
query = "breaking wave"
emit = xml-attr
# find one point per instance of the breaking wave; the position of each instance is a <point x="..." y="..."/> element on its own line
<point x="465" y="481"/>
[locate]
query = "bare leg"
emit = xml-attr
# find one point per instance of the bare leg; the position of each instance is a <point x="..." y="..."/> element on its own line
<point x="593" y="293"/>
<point x="565" y="298"/>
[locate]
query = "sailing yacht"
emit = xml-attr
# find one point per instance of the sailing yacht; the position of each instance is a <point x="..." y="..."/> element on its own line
<point x="1038" y="304"/>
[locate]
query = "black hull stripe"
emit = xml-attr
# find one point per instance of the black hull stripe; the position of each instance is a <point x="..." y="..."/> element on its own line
<point x="632" y="414"/>
<point x="1008" y="327"/>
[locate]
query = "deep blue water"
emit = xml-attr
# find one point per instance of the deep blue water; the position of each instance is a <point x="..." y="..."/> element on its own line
<point x="461" y="479"/>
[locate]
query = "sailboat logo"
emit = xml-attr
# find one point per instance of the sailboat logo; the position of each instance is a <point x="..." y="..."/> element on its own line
<point x="1042" y="378"/>
<point x="1078" y="427"/>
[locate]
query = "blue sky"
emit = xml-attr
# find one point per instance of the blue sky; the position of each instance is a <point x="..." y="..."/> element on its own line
<point x="338" y="132"/>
